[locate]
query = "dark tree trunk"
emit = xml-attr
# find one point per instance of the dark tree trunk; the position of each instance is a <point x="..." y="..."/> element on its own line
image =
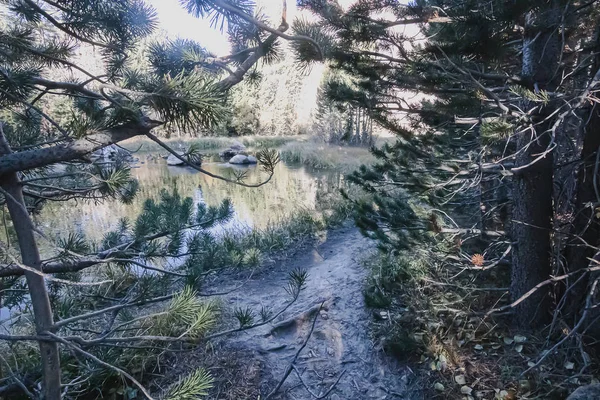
<point x="585" y="234"/>
<point x="35" y="282"/>
<point x="532" y="190"/>
<point x="38" y="292"/>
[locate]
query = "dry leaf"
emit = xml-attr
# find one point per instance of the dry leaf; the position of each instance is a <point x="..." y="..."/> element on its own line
<point x="520" y="339"/>
<point x="466" y="390"/>
<point x="569" y="365"/>
<point x="460" y="379"/>
<point x="519" y="348"/>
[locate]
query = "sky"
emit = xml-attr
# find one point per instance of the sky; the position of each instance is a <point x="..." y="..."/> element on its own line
<point x="174" y="19"/>
<point x="177" y="22"/>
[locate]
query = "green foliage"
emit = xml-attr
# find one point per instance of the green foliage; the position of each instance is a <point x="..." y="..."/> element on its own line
<point x="74" y="245"/>
<point x="171" y="57"/>
<point x="245" y="316"/>
<point x="186" y="316"/>
<point x="496" y="130"/>
<point x="188" y="101"/>
<point x="192" y="387"/>
<point x="540" y="96"/>
<point x="296" y="281"/>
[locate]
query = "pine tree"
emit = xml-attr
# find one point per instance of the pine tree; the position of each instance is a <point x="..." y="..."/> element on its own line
<point x="55" y="111"/>
<point x="506" y="103"/>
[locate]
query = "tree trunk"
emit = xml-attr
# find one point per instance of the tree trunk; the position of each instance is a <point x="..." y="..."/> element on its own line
<point x="585" y="234"/>
<point x="532" y="190"/>
<point x="38" y="292"/>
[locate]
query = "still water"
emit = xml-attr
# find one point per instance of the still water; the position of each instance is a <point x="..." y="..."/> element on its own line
<point x="292" y="188"/>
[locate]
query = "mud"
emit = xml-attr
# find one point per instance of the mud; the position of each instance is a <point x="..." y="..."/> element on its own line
<point x="340" y="342"/>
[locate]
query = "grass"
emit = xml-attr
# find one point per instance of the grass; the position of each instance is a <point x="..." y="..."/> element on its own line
<point x="324" y="156"/>
<point x="211" y="143"/>
<point x="203" y="143"/>
<point x="241" y="248"/>
<point x="262" y="142"/>
<point x="292" y="149"/>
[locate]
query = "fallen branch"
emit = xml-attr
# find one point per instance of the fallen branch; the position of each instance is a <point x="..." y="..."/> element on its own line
<point x="291" y="366"/>
<point x="317" y="396"/>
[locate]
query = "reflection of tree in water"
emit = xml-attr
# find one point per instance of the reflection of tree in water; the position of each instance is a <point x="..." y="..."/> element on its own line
<point x="291" y="189"/>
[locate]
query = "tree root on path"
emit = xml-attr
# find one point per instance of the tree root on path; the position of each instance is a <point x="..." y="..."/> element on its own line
<point x="297" y="319"/>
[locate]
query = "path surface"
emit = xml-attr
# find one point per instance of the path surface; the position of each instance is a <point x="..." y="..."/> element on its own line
<point x="340" y="341"/>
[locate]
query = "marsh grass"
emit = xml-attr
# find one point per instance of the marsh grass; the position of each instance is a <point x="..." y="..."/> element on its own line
<point x="212" y="143"/>
<point x="325" y="156"/>
<point x="267" y="142"/>
<point x="144" y="145"/>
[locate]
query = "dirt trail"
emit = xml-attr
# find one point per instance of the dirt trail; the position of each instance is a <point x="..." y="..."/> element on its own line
<point x="340" y="340"/>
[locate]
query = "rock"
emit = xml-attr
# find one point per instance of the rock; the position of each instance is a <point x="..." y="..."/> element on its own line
<point x="252" y="160"/>
<point x="227" y="154"/>
<point x="586" y="392"/>
<point x="237" y="146"/>
<point x="172" y="160"/>
<point x="233" y="150"/>
<point x="239" y="159"/>
<point x="112" y="152"/>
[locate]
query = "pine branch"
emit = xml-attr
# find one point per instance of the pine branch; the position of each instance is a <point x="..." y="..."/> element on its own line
<point x="74" y="149"/>
<point x="268" y="163"/>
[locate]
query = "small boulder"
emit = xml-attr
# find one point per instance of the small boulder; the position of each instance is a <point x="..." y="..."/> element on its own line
<point x="172" y="160"/>
<point x="239" y="159"/>
<point x="237" y="146"/>
<point x="586" y="392"/>
<point x="252" y="160"/>
<point x="227" y="154"/>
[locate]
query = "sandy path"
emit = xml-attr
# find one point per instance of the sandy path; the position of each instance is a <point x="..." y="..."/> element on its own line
<point x="340" y="341"/>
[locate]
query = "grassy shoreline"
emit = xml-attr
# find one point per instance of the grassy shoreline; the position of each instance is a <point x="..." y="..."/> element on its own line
<point x="296" y="150"/>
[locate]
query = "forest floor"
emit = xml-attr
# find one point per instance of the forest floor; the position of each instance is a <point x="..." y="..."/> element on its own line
<point x="249" y="364"/>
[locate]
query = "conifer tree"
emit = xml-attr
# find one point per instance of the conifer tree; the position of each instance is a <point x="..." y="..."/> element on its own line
<point x="507" y="99"/>
<point x="56" y="111"/>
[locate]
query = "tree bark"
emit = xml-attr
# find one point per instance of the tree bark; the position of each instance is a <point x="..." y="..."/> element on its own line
<point x="585" y="233"/>
<point x="38" y="292"/>
<point x="37" y="286"/>
<point x="72" y="149"/>
<point x="532" y="187"/>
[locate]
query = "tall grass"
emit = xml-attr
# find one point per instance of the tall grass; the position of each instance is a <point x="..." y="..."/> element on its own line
<point x="262" y="142"/>
<point x="203" y="143"/>
<point x="324" y="156"/>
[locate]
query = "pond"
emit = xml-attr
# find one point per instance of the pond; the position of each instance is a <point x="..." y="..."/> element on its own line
<point x="292" y="188"/>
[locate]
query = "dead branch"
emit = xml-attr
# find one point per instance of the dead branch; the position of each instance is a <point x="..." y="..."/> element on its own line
<point x="317" y="396"/>
<point x="291" y="366"/>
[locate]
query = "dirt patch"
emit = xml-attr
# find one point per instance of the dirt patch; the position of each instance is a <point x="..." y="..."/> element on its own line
<point x="250" y="363"/>
<point x="237" y="373"/>
<point x="340" y="342"/>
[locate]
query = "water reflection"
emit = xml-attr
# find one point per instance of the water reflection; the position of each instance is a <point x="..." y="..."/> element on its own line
<point x="291" y="188"/>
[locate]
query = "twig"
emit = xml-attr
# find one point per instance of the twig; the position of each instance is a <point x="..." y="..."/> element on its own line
<point x="291" y="366"/>
<point x="588" y="304"/>
<point x="317" y="396"/>
<point x="205" y="172"/>
<point x="103" y="363"/>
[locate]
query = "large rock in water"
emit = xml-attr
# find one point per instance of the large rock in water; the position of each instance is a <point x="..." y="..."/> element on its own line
<point x="242" y="159"/>
<point x="233" y="150"/>
<point x="588" y="392"/>
<point x="172" y="160"/>
<point x="112" y="152"/>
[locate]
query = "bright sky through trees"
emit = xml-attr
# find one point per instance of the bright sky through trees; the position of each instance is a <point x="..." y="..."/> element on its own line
<point x="177" y="22"/>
